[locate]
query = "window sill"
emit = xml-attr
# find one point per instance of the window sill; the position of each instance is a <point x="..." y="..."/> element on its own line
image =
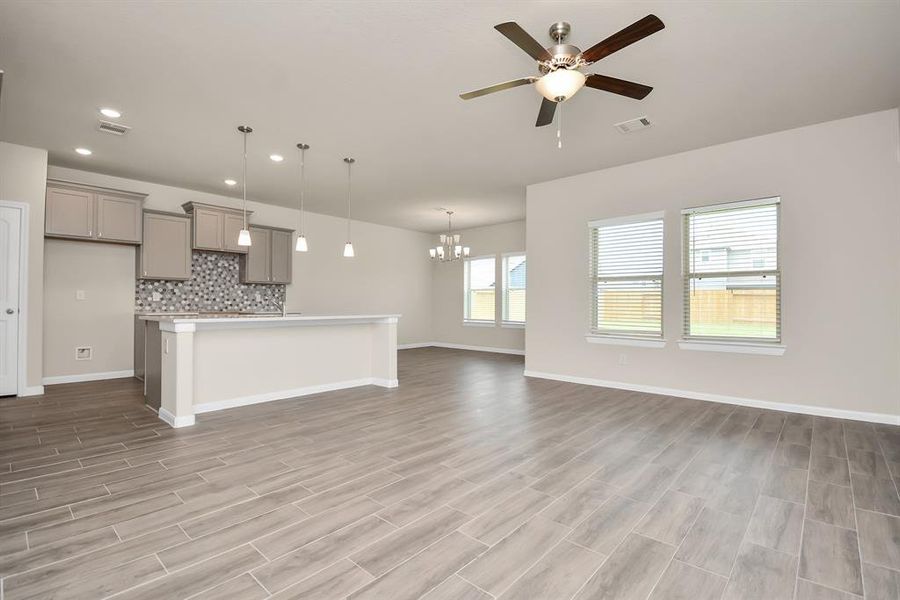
<point x="619" y="340"/>
<point x="512" y="325"/>
<point x="479" y="324"/>
<point x="738" y="347"/>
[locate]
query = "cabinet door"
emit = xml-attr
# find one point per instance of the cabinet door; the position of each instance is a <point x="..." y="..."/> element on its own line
<point x="233" y="225"/>
<point x="118" y="219"/>
<point x="209" y="229"/>
<point x="281" y="256"/>
<point x="166" y="251"/>
<point x="258" y="262"/>
<point x="69" y="213"/>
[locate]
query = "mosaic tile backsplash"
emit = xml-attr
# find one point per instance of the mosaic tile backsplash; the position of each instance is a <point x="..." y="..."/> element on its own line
<point x="214" y="286"/>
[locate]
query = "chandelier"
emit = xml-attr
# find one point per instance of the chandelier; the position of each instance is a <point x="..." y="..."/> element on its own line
<point x="450" y="247"/>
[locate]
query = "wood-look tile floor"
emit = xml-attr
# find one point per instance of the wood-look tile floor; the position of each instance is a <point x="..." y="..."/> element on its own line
<point x="469" y="481"/>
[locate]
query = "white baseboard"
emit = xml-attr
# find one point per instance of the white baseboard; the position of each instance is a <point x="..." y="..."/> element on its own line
<point x="806" y="409"/>
<point x="462" y="347"/>
<point x="174" y="421"/>
<point x="32" y="390"/>
<point x="87" y="377"/>
<point x="291" y="393"/>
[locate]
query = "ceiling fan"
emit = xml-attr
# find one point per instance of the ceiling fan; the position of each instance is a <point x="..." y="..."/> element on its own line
<point x="560" y="65"/>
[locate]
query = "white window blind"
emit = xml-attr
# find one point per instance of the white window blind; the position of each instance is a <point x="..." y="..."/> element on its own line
<point x="514" y="288"/>
<point x="626" y="276"/>
<point x="480" y="289"/>
<point x="732" y="278"/>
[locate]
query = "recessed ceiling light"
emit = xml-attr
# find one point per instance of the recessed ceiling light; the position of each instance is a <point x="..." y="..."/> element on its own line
<point x="230" y="182"/>
<point x="83" y="151"/>
<point x="276" y="157"/>
<point x="110" y="112"/>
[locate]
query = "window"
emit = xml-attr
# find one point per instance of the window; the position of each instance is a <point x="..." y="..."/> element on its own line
<point x="626" y="276"/>
<point x="514" y="288"/>
<point x="735" y="295"/>
<point x="480" y="289"/>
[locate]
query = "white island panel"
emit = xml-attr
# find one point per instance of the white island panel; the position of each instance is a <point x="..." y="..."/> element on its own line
<point x="214" y="363"/>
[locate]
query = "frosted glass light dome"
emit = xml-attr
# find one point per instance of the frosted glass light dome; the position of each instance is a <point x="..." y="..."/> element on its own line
<point x="561" y="83"/>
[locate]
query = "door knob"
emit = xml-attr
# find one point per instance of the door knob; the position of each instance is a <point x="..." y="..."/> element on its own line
<point x="10" y="311"/>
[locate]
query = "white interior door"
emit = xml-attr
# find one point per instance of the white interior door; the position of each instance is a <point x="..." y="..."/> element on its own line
<point x="10" y="230"/>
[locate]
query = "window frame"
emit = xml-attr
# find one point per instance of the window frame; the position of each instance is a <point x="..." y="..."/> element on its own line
<point x="594" y="335"/>
<point x="504" y="301"/>
<point x="466" y="289"/>
<point x="730" y="343"/>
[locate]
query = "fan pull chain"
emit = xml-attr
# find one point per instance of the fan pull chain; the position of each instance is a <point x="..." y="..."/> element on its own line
<point x="559" y="126"/>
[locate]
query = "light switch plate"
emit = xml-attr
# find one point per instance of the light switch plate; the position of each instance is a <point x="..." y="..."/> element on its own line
<point x="80" y="295"/>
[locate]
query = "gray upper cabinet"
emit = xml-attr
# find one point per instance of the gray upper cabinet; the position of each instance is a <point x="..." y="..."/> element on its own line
<point x="215" y="227"/>
<point x="257" y="265"/>
<point x="69" y="213"/>
<point x="234" y="222"/>
<point x="83" y="212"/>
<point x="166" y="251"/>
<point x="281" y="255"/>
<point x="268" y="259"/>
<point x="118" y="219"/>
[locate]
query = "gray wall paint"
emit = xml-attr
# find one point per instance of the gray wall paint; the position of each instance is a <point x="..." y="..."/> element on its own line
<point x="840" y="187"/>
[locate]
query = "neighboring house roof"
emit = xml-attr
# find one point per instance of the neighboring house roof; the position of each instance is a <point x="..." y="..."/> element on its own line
<point x="517" y="276"/>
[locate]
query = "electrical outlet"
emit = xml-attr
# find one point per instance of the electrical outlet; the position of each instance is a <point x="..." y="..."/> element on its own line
<point x="623" y="359"/>
<point x="83" y="353"/>
<point x="157" y="296"/>
<point x="258" y="297"/>
<point x="80" y="295"/>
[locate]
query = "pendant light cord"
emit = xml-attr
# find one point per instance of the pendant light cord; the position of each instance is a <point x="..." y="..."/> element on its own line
<point x="302" y="182"/>
<point x="349" y="195"/>
<point x="244" y="179"/>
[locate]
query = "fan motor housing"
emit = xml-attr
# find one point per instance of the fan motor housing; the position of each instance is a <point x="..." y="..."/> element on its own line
<point x="565" y="56"/>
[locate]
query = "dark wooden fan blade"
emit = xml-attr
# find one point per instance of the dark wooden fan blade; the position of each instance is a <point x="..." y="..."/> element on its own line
<point x="631" y="89"/>
<point x="545" y="115"/>
<point x="631" y="34"/>
<point x="523" y="40"/>
<point x="498" y="88"/>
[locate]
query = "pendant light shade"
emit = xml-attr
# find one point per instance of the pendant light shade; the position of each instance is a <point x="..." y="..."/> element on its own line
<point x="348" y="247"/>
<point x="302" y="246"/>
<point x="244" y="235"/>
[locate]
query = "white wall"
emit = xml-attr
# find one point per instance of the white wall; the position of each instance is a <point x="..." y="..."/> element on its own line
<point x="840" y="188"/>
<point x="390" y="274"/>
<point x="23" y="178"/>
<point x="447" y="299"/>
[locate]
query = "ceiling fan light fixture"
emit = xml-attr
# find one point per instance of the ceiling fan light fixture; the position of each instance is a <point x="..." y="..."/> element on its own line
<point x="560" y="84"/>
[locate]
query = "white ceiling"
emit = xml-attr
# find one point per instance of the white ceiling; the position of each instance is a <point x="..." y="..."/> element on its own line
<point x="379" y="81"/>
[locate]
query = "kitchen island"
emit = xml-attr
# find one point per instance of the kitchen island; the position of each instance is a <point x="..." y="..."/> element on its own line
<point x="210" y="363"/>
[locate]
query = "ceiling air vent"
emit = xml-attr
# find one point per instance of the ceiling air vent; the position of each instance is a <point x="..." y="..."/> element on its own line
<point x="113" y="128"/>
<point x="633" y="125"/>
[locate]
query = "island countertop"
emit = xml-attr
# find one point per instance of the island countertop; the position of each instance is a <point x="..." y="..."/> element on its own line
<point x="237" y="320"/>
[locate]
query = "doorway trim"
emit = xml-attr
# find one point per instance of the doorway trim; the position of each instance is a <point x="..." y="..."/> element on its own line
<point x="22" y="388"/>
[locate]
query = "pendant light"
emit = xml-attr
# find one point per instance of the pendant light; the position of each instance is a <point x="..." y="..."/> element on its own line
<point x="302" y="246"/>
<point x="244" y="235"/>
<point x="348" y="247"/>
